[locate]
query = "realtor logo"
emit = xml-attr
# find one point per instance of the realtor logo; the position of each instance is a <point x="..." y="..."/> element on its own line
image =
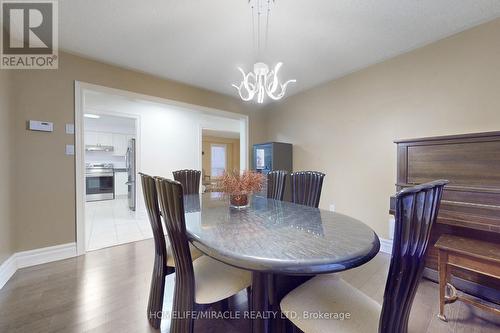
<point x="29" y="35"/>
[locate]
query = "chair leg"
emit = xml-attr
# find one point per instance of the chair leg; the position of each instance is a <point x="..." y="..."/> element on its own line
<point x="443" y="279"/>
<point x="291" y="328"/>
<point x="224" y="304"/>
<point x="183" y="305"/>
<point x="249" y="298"/>
<point x="296" y="329"/>
<point x="155" y="303"/>
<point x="170" y="270"/>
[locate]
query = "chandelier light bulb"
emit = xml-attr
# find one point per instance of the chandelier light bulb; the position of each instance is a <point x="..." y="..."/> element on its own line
<point x="262" y="82"/>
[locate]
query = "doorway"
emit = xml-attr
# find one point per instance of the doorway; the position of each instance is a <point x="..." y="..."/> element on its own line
<point x="168" y="138"/>
<point x="111" y="217"/>
<point x="220" y="153"/>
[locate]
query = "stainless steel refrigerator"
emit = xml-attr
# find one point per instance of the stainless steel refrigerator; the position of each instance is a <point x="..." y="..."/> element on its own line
<point x="130" y="164"/>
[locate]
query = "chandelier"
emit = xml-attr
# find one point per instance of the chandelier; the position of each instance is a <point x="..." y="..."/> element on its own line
<point x="262" y="81"/>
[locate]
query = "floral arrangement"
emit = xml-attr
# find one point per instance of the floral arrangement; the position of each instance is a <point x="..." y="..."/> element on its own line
<point x="246" y="182"/>
<point x="240" y="185"/>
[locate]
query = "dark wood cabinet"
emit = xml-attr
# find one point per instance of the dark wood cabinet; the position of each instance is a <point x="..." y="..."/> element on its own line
<point x="272" y="156"/>
<point x="471" y="202"/>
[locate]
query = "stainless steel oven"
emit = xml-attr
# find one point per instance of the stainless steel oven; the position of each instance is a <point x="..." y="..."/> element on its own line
<point x="99" y="182"/>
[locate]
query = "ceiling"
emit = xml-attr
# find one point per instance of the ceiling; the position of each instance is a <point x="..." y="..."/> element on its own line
<point x="202" y="43"/>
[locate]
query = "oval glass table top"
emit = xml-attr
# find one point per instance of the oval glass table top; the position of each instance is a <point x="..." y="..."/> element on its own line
<point x="276" y="236"/>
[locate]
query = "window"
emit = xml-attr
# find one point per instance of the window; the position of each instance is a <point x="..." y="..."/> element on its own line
<point x="218" y="159"/>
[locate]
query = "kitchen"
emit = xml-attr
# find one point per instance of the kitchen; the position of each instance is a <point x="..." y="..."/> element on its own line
<point x="112" y="216"/>
<point x="167" y="138"/>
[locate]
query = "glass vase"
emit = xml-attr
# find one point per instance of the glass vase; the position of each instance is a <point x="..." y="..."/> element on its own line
<point x="239" y="201"/>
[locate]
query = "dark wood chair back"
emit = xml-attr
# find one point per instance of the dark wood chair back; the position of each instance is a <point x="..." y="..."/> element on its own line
<point x="171" y="197"/>
<point x="416" y="211"/>
<point x="306" y="187"/>
<point x="160" y="264"/>
<point x="276" y="184"/>
<point x="190" y="180"/>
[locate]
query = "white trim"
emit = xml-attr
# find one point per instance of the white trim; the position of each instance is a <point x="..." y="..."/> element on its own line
<point x="138" y="96"/>
<point x="80" y="87"/>
<point x="385" y="245"/>
<point x="35" y="257"/>
<point x="79" y="171"/>
<point x="7" y="269"/>
<point x="45" y="255"/>
<point x="244" y="144"/>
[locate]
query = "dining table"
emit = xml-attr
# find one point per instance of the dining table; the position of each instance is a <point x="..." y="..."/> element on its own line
<point x="281" y="243"/>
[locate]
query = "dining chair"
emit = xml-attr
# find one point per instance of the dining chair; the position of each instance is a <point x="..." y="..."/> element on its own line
<point x="276" y="184"/>
<point x="190" y="180"/>
<point x="164" y="263"/>
<point x="199" y="282"/>
<point x="306" y="187"/>
<point x="416" y="211"/>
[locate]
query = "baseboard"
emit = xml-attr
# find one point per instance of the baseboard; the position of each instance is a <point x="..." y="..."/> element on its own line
<point x="385" y="245"/>
<point x="35" y="257"/>
<point x="7" y="269"/>
<point x="45" y="255"/>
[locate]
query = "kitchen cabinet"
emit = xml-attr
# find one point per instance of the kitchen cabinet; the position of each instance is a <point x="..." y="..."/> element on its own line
<point x="98" y="138"/>
<point x="118" y="141"/>
<point x="120" y="144"/>
<point x="105" y="139"/>
<point x="272" y="156"/>
<point x="121" y="188"/>
<point x="91" y="138"/>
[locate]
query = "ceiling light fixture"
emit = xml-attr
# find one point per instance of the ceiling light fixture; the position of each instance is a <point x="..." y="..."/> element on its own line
<point x="262" y="81"/>
<point x="90" y="115"/>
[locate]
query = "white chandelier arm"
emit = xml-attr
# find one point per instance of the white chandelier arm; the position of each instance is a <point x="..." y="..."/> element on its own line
<point x="273" y="85"/>
<point x="261" y="93"/>
<point x="246" y="80"/>
<point x="283" y="91"/>
<point x="249" y="87"/>
<point x="250" y="94"/>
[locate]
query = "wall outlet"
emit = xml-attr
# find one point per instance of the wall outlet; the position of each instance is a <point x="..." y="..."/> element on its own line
<point x="332" y="207"/>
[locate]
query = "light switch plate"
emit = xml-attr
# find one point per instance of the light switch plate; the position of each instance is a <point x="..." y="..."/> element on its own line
<point x="70" y="128"/>
<point x="70" y="149"/>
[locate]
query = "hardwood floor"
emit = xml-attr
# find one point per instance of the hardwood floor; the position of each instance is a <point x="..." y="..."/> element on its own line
<point x="107" y="290"/>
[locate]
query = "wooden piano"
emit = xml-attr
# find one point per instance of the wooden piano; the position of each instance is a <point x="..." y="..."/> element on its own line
<point x="471" y="202"/>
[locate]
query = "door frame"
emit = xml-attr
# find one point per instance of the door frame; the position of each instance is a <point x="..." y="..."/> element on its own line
<point x="80" y="89"/>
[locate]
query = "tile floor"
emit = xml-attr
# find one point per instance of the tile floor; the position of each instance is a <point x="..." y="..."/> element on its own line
<point x="111" y="222"/>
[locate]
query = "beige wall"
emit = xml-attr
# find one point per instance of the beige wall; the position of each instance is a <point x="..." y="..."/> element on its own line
<point x="44" y="211"/>
<point x="233" y="152"/>
<point x="6" y="233"/>
<point x="346" y="127"/>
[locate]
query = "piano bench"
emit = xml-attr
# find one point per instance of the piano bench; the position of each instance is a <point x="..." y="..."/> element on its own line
<point x="469" y="254"/>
